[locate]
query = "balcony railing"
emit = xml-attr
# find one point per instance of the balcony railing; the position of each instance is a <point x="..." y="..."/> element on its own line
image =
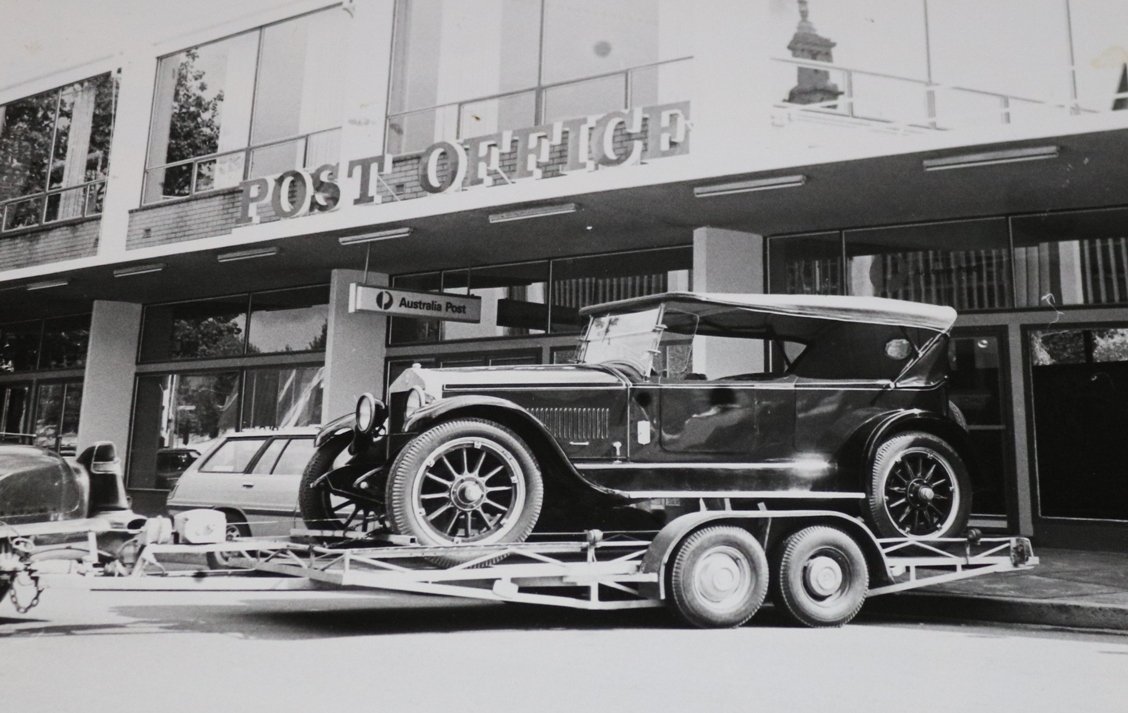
<point x="414" y="130"/>
<point x="224" y="169"/>
<point x="58" y="204"/>
<point x="909" y="105"/>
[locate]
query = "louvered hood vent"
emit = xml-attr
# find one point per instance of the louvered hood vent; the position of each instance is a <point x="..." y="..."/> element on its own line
<point x="575" y="424"/>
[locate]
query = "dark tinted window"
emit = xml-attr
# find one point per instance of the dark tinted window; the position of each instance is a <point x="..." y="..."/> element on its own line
<point x="64" y="342"/>
<point x="19" y="346"/>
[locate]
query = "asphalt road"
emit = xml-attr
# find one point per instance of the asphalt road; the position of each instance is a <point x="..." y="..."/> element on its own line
<point x="335" y="651"/>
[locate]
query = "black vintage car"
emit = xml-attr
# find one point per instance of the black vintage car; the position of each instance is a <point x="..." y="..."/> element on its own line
<point x="778" y="401"/>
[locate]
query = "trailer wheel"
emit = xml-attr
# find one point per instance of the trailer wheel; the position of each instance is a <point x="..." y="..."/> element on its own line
<point x="325" y="510"/>
<point x="229" y="560"/>
<point x="822" y="578"/>
<point x="468" y="481"/>
<point x="719" y="577"/>
<point x="919" y="487"/>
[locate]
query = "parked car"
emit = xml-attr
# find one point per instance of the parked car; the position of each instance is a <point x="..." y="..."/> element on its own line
<point x="47" y="500"/>
<point x="171" y="463"/>
<point x="252" y="478"/>
<point x="785" y="401"/>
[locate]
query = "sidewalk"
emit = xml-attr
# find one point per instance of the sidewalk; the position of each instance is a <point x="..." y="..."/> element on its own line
<point x="1070" y="588"/>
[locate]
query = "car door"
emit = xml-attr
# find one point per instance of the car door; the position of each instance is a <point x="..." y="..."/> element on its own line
<point x="221" y="480"/>
<point x="271" y="487"/>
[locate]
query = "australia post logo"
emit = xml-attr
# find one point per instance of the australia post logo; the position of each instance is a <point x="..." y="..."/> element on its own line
<point x="406" y="303"/>
<point x="587" y="144"/>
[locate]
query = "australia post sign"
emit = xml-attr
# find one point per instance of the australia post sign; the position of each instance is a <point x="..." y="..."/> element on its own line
<point x="587" y="143"/>
<point x="404" y="303"/>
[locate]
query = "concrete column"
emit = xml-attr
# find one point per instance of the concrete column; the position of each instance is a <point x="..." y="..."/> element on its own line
<point x="354" y="354"/>
<point x="726" y="261"/>
<point x="107" y="390"/>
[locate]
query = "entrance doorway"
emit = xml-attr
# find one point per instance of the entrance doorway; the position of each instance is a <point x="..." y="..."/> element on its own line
<point x="978" y="386"/>
<point x="1079" y="396"/>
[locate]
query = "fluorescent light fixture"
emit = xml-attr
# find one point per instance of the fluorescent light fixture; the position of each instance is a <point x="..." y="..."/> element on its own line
<point x="374" y="237"/>
<point x="990" y="158"/>
<point x="48" y="284"/>
<point x="139" y="269"/>
<point x="251" y="254"/>
<point x="758" y="184"/>
<point x="537" y="212"/>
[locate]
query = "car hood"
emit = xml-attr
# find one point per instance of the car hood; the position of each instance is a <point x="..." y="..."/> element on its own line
<point x="435" y="381"/>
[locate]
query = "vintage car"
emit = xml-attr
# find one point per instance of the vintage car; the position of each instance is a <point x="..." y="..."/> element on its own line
<point x="774" y="401"/>
<point x="48" y="501"/>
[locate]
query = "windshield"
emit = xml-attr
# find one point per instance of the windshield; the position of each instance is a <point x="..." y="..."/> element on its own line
<point x="629" y="338"/>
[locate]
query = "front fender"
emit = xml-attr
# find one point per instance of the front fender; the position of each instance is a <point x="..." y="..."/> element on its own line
<point x="339" y="425"/>
<point x="509" y="414"/>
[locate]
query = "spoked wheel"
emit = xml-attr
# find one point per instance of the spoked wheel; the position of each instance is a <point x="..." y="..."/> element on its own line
<point x="719" y="577"/>
<point x="822" y="577"/>
<point x="465" y="482"/>
<point x="919" y="487"/>
<point x="232" y="531"/>
<point x="323" y="507"/>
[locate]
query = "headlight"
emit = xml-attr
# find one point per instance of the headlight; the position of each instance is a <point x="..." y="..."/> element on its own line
<point x="369" y="413"/>
<point x="416" y="399"/>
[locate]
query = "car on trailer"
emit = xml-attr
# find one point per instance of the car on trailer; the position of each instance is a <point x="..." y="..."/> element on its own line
<point x="783" y="401"/>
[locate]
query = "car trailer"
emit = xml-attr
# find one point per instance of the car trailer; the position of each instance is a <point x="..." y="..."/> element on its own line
<point x="713" y="567"/>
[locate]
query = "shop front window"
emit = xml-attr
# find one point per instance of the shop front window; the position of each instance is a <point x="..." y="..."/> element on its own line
<point x="1075" y="258"/>
<point x="289" y="321"/>
<point x="14" y="412"/>
<point x="56" y="416"/>
<point x="254" y="104"/>
<point x="467" y="69"/>
<point x="806" y="264"/>
<point x="58" y="343"/>
<point x="517" y="299"/>
<point x="55" y="152"/>
<point x="283" y="397"/>
<point x="179" y="411"/>
<point x="1079" y="384"/>
<point x="963" y="264"/>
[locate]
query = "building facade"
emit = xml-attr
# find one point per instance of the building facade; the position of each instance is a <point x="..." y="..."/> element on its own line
<point x="181" y="221"/>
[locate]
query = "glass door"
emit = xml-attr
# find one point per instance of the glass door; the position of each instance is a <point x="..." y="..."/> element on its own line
<point x="978" y="387"/>
<point x="57" y="406"/>
<point x="14" y="413"/>
<point x="1079" y="389"/>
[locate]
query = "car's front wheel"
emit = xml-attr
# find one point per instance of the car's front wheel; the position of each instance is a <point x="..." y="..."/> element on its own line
<point x="465" y="481"/>
<point x="919" y="487"/>
<point x="326" y="508"/>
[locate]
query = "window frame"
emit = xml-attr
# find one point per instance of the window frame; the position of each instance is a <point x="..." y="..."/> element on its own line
<point x="249" y="147"/>
<point x="47" y="192"/>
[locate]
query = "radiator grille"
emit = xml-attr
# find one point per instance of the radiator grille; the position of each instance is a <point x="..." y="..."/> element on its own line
<point x="575" y="424"/>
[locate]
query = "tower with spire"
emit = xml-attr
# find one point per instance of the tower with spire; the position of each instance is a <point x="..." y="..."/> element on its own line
<point x="814" y="85"/>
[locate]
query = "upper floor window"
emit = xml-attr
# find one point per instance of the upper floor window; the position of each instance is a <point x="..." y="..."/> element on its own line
<point x="254" y="104"/>
<point x="55" y="153"/>
<point x="464" y="69"/>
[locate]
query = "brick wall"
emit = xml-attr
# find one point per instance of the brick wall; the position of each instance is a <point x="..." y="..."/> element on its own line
<point x="192" y="219"/>
<point x="63" y="242"/>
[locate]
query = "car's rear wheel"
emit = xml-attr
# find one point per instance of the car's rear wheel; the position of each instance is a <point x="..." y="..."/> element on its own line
<point x="822" y="578"/>
<point x="719" y="577"/>
<point x="323" y="509"/>
<point x="918" y="487"/>
<point x="468" y="481"/>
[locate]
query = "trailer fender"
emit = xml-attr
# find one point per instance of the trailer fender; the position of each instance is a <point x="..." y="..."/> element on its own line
<point x="669" y="537"/>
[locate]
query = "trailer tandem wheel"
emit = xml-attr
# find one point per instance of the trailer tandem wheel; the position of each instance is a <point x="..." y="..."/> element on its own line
<point x="719" y="577"/>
